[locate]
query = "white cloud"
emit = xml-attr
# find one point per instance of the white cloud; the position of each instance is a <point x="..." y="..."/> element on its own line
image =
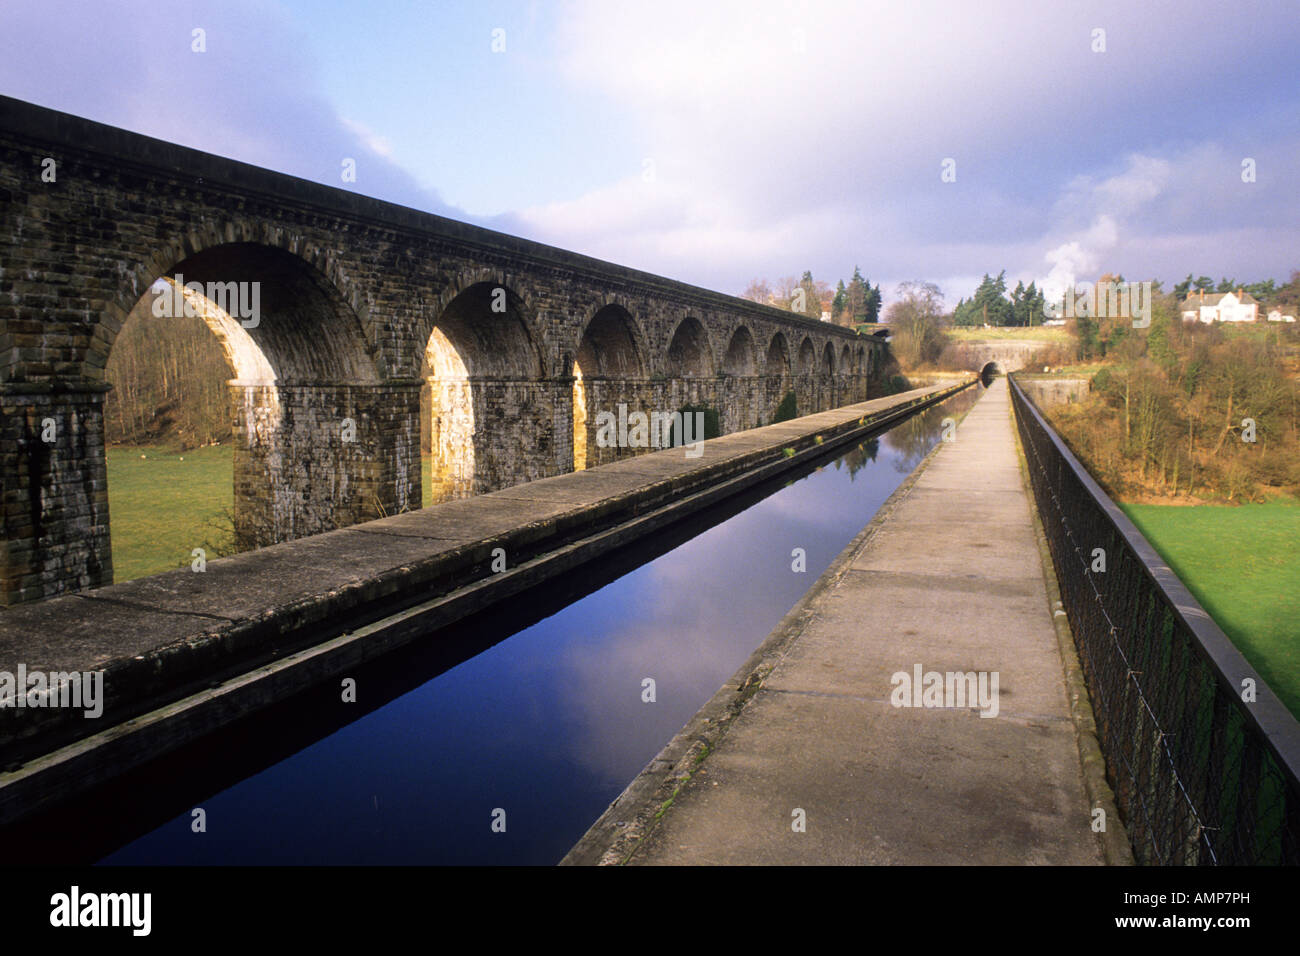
<point x="810" y="135"/>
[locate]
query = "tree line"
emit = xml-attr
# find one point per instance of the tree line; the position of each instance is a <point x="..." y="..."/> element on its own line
<point x="1260" y="290"/>
<point x="857" y="303"/>
<point x="169" y="379"/>
<point x="1187" y="409"/>
<point x="991" y="305"/>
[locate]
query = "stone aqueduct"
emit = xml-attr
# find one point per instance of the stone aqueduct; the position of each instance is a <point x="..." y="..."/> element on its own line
<point x="362" y="305"/>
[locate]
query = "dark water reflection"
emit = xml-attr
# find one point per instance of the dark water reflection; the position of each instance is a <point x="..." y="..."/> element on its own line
<point x="536" y="709"/>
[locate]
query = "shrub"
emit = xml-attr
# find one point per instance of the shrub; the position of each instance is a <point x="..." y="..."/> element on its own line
<point x="787" y="410"/>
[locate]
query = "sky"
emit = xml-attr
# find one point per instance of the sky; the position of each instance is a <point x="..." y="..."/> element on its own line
<point x="715" y="141"/>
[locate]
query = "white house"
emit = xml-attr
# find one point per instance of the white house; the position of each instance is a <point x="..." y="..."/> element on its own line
<point x="1277" y="316"/>
<point x="1235" y="306"/>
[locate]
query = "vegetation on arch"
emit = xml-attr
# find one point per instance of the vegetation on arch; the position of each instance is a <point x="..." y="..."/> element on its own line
<point x="712" y="424"/>
<point x="788" y="409"/>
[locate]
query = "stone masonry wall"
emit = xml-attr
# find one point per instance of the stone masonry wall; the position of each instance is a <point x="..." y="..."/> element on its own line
<point x="361" y="285"/>
<point x="53" y="490"/>
<point x="312" y="458"/>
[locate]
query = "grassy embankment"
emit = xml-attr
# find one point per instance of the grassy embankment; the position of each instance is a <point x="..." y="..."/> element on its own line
<point x="161" y="507"/>
<point x="1037" y="333"/>
<point x="1242" y="563"/>
<point x="166" y="504"/>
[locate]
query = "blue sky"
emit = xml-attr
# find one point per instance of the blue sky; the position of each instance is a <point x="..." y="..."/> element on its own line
<point x="718" y="141"/>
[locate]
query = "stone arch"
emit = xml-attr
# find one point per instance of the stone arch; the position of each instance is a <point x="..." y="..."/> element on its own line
<point x="846" y="360"/>
<point x="518" y="302"/>
<point x="739" y="359"/>
<point x="608" y="357"/>
<point x="309" y="444"/>
<point x="778" y="356"/>
<point x="828" y="360"/>
<point x="303" y="329"/>
<point x="483" y="332"/>
<point x="483" y="374"/>
<point x="240" y="250"/>
<point x="807" y="360"/>
<point x="689" y="353"/>
<point x="611" y="345"/>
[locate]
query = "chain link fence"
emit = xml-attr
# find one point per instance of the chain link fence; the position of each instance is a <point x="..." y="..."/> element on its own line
<point x="1202" y="756"/>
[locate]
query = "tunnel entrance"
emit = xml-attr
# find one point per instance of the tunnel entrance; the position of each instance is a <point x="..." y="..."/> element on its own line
<point x="989" y="372"/>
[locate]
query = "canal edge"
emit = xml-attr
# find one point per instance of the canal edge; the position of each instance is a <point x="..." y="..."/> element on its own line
<point x="635" y="813"/>
<point x="1113" y="840"/>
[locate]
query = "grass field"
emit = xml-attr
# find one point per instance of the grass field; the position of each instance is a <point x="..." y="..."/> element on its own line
<point x="1037" y="333"/>
<point x="1243" y="565"/>
<point x="161" y="508"/>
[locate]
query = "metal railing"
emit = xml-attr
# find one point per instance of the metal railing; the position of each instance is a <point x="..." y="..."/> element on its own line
<point x="1202" y="756"/>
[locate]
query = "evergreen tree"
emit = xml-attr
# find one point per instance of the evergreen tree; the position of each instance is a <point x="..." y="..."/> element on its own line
<point x="857" y="298"/>
<point x="989" y="304"/>
<point x="1261" y="290"/>
<point x="872" y="305"/>
<point x="1026" y="305"/>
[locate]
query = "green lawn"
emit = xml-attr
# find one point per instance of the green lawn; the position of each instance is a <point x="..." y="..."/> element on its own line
<point x="160" y="508"/>
<point x="1243" y="564"/>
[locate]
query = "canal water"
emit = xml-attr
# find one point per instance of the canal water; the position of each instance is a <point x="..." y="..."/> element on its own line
<point x="506" y="739"/>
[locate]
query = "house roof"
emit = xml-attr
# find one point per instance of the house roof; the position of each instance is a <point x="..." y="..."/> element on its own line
<point x="1196" y="300"/>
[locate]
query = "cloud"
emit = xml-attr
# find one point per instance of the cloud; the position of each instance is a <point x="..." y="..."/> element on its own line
<point x="783" y="136"/>
<point x="811" y="135"/>
<point x="1165" y="215"/>
<point x="251" y="95"/>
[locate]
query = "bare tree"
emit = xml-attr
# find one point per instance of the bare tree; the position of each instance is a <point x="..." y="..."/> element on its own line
<point x="758" y="290"/>
<point x="916" y="321"/>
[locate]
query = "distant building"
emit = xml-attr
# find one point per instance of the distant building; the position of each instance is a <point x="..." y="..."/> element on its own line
<point x="1277" y="316"/>
<point x="1207" y="307"/>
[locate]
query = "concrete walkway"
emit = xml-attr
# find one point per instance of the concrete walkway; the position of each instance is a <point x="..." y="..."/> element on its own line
<point x="952" y="581"/>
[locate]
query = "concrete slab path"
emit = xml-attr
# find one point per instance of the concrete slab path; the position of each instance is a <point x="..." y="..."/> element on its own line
<point x="951" y="582"/>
